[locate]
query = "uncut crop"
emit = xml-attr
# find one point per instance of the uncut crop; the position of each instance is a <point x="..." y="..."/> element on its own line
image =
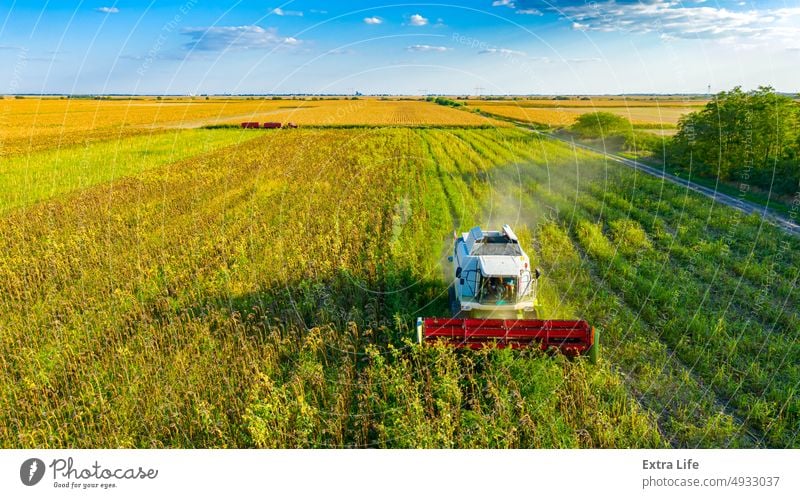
<point x="557" y="114"/>
<point x="594" y="102"/>
<point x="34" y="124"/>
<point x="262" y="296"/>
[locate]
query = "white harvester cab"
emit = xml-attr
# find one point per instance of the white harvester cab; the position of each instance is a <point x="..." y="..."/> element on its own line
<point x="493" y="276"/>
<point x="493" y="301"/>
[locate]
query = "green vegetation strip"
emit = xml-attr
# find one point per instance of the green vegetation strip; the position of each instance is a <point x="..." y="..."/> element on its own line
<point x="36" y="176"/>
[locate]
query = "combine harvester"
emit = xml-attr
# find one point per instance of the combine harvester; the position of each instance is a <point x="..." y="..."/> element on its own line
<point x="493" y="301"/>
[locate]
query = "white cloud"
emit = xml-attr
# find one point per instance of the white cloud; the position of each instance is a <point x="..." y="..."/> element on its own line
<point x="512" y="4"/>
<point x="503" y="51"/>
<point x="280" y="12"/>
<point x="417" y="20"/>
<point x="373" y="20"/>
<point x="427" y="48"/>
<point x="515" y="55"/>
<point x="672" y="19"/>
<point x="583" y="60"/>
<point x="107" y="10"/>
<point x="216" y="38"/>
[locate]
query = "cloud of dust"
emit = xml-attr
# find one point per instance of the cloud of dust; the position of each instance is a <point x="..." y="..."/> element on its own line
<point x="525" y="194"/>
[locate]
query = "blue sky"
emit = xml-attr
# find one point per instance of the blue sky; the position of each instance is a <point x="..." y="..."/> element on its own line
<point x="486" y="46"/>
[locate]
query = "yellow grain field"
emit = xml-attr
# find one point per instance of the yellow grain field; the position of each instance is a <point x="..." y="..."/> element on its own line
<point x="644" y="101"/>
<point x="42" y="123"/>
<point x="654" y="114"/>
<point x="371" y="112"/>
<point x="549" y="117"/>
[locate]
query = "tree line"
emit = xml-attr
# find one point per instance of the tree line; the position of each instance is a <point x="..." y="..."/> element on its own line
<point x="750" y="138"/>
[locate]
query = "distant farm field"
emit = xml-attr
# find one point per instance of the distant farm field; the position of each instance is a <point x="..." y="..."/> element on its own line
<point x="559" y="114"/>
<point x="30" y="124"/>
<point x="596" y="102"/>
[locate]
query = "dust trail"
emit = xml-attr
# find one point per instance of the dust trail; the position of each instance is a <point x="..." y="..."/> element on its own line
<point x="532" y="192"/>
<point x="526" y="193"/>
<point x="509" y="199"/>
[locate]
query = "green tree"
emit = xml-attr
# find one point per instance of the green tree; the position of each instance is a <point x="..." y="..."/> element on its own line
<point x="601" y="124"/>
<point x="748" y="137"/>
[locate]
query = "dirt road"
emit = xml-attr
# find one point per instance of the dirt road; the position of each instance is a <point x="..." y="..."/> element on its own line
<point x="789" y="226"/>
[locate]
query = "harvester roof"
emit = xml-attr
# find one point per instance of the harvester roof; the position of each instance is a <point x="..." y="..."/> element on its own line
<point x="492" y="243"/>
<point x="500" y="267"/>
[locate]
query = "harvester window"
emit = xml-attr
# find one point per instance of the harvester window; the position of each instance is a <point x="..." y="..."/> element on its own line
<point x="498" y="290"/>
<point x="497" y="249"/>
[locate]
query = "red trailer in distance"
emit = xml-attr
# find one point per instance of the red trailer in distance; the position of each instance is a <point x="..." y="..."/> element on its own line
<point x="267" y="125"/>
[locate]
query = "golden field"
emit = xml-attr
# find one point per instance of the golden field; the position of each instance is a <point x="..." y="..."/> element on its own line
<point x="549" y="117"/>
<point x="42" y="123"/>
<point x="367" y="112"/>
<point x="659" y="101"/>
<point x="563" y="113"/>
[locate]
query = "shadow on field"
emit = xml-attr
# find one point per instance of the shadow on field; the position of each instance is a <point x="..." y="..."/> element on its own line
<point x="384" y="308"/>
